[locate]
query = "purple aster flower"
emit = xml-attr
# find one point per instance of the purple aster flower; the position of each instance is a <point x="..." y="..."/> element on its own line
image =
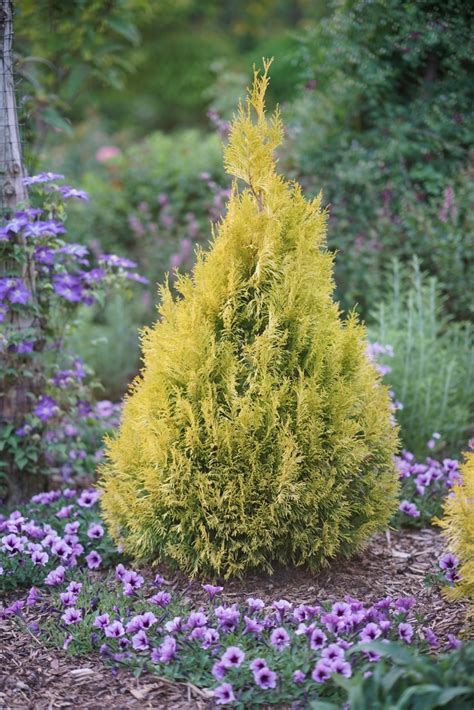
<point x="56" y="576"/>
<point x="321" y="672"/>
<point x="212" y="590"/>
<point x="448" y="561"/>
<point x="95" y="531"/>
<point x="224" y="694"/>
<point x="409" y="509"/>
<point x="317" y="639"/>
<point x="93" y="559"/>
<point x="101" y="621"/>
<point x="265" y="678"/>
<point x="405" y="632"/>
<point x="114" y="630"/>
<point x="119" y="261"/>
<point x="67" y="191"/>
<point x="46" y="408"/>
<point x="279" y="638"/>
<point x="370" y="633"/>
<point x="167" y="650"/>
<point x="42" y="177"/>
<point x="72" y="616"/>
<point x="233" y="657"/>
<point x="88" y="498"/>
<point x="161" y="598"/>
<point x="140" y="641"/>
<point x="68" y="598"/>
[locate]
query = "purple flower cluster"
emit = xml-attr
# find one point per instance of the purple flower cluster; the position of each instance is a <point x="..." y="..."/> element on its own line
<point x="61" y="533"/>
<point x="424" y="485"/>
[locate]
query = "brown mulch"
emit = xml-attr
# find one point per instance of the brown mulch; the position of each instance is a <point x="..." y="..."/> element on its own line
<point x="396" y="564"/>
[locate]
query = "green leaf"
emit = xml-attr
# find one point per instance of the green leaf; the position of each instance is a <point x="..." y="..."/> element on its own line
<point x="126" y="29"/>
<point x="451" y="693"/>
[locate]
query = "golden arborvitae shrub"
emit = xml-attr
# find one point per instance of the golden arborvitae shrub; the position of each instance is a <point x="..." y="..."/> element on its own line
<point x="458" y="529"/>
<point x="258" y="431"/>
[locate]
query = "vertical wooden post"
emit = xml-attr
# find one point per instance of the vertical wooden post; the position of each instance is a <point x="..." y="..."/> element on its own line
<point x="12" y="190"/>
<point x="14" y="402"/>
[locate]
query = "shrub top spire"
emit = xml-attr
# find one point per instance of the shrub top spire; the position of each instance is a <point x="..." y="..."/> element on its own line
<point x="253" y="138"/>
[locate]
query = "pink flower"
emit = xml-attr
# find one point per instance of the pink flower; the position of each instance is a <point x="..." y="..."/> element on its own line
<point x="106" y="153"/>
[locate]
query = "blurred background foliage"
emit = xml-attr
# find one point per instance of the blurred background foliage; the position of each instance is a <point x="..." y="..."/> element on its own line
<point x="130" y="99"/>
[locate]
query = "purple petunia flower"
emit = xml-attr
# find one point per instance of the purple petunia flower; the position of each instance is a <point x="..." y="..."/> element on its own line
<point x="114" y="630"/>
<point x="93" y="559"/>
<point x="72" y="616"/>
<point x="255" y="604"/>
<point x="265" y="678"/>
<point x="12" y="544"/>
<point x="68" y="598"/>
<point x="227" y="617"/>
<point x="299" y="677"/>
<point x="342" y="667"/>
<point x="257" y="664"/>
<point x="453" y="642"/>
<point x="317" y="639"/>
<point x="161" y="598"/>
<point x="370" y="632"/>
<point x="252" y="626"/>
<point x="321" y="672"/>
<point x="174" y="625"/>
<point x="431" y="637"/>
<point x="279" y="638"/>
<point x="34" y="595"/>
<point x="39" y="558"/>
<point x="56" y="576"/>
<point x="409" y="509"/>
<point x="196" y="619"/>
<point x="281" y="606"/>
<point x="212" y="590"/>
<point x="224" y="694"/>
<point x="140" y="641"/>
<point x="101" y="621"/>
<point x="448" y="561"/>
<point x="95" y="531"/>
<point x="233" y="657"/>
<point x="88" y="498"/>
<point x="405" y="632"/>
<point x="404" y="604"/>
<point x="218" y="670"/>
<point x="331" y="652"/>
<point x="167" y="650"/>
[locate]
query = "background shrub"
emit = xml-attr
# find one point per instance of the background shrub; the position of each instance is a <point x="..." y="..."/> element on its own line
<point x="259" y="431"/>
<point x="384" y="125"/>
<point x="431" y="370"/>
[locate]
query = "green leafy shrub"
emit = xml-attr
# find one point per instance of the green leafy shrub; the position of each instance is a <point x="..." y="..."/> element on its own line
<point x="385" y="125"/>
<point x="405" y="679"/>
<point x="258" y="431"/>
<point x="432" y="367"/>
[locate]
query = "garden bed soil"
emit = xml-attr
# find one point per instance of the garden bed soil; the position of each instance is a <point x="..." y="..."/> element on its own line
<point x="396" y="563"/>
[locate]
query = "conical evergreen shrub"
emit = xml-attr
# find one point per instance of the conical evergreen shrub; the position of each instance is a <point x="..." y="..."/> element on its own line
<point x="258" y="431"/>
<point x="458" y="529"/>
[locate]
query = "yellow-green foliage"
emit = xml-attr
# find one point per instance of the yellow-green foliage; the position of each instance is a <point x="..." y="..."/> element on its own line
<point x="458" y="528"/>
<point x="258" y="431"/>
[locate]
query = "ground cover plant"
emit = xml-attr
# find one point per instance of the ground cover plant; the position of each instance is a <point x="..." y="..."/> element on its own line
<point x="258" y="431"/>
